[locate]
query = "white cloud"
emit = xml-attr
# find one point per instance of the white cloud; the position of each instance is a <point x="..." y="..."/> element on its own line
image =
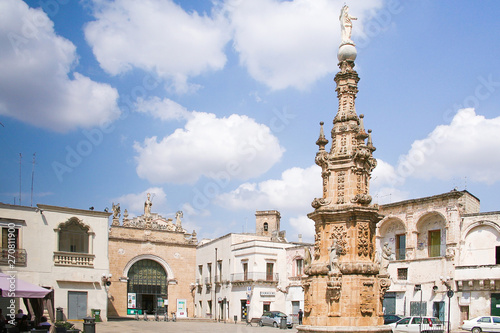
<point x="157" y="36"/>
<point x="235" y="147"/>
<point x="164" y="109"/>
<point x="290" y="43"/>
<point x="36" y="85"/>
<point x="134" y="202"/>
<point x="294" y="192"/>
<point x="469" y="146"/>
<point x="303" y="225"/>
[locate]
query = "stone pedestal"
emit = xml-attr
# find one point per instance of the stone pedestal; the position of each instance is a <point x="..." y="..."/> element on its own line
<point x="344" y="329"/>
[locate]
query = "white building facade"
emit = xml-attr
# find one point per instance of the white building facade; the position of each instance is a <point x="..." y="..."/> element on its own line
<point x="59" y="248"/>
<point x="445" y="257"/>
<point x="239" y="276"/>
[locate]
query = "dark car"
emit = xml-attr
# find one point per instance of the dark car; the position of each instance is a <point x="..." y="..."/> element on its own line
<point x="390" y="318"/>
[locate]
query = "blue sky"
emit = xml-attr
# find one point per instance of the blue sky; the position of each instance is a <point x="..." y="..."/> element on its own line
<point x="214" y="106"/>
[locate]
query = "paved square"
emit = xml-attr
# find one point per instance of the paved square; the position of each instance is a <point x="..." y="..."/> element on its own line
<point x="114" y="326"/>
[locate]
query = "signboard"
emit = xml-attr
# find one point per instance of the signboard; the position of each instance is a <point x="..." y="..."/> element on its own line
<point x="160" y="302"/>
<point x="267" y="294"/>
<point x="181" y="308"/>
<point x="132" y="301"/>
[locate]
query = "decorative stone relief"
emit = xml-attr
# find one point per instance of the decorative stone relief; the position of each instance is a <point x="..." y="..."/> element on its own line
<point x="368" y="300"/>
<point x="364" y="240"/>
<point x="333" y="291"/>
<point x="340" y="187"/>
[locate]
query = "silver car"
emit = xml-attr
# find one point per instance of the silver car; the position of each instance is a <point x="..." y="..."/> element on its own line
<point x="273" y="318"/>
<point x="482" y="324"/>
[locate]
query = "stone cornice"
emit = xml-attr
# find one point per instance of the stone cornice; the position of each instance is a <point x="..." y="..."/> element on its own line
<point x="448" y="195"/>
<point x="75" y="211"/>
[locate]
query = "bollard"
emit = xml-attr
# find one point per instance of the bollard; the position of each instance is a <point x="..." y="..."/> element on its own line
<point x="235" y="318"/>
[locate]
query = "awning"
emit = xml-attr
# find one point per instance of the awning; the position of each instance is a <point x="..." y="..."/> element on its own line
<point x="12" y="286"/>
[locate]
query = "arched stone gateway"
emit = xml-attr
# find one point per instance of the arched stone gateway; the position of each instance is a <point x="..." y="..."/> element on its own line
<point x="147" y="286"/>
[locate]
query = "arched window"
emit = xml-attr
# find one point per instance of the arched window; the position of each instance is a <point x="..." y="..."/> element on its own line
<point x="148" y="280"/>
<point x="266" y="226"/>
<point x="74" y="236"/>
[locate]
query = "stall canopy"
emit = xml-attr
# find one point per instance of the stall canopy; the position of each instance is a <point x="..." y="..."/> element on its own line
<point x="20" y="288"/>
<point x="35" y="298"/>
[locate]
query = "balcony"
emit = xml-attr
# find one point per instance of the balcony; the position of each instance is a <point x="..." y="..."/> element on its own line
<point x="13" y="257"/>
<point x="208" y="281"/>
<point x="73" y="259"/>
<point x="258" y="277"/>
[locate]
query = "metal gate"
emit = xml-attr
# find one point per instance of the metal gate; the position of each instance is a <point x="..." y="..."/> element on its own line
<point x="77" y="305"/>
<point x="389" y="303"/>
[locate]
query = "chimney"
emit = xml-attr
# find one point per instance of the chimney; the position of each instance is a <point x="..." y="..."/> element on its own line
<point x="300" y="238"/>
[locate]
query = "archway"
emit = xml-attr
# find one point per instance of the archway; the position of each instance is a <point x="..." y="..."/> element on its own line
<point x="147" y="286"/>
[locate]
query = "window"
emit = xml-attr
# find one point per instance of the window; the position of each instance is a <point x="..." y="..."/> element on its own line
<point x="245" y="271"/>
<point x="209" y="310"/>
<point x="418" y="308"/>
<point x="209" y="272"/>
<point x="434" y="243"/>
<point x="200" y="271"/>
<point x="74" y="237"/>
<point x="266" y="226"/>
<point x="219" y="271"/>
<point x="299" y="263"/>
<point x="13" y="240"/>
<point x="402" y="273"/>
<point x="269" y="271"/>
<point x="401" y="247"/>
<point x="497" y="256"/>
<point x="484" y="320"/>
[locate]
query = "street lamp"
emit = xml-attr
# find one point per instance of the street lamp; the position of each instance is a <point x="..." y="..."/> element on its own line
<point x="418" y="287"/>
<point x="449" y="293"/>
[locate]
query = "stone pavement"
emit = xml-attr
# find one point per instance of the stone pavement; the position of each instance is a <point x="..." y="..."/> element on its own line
<point x="184" y="326"/>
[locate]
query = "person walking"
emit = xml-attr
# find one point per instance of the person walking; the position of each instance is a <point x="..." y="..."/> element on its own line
<point x="300" y="316"/>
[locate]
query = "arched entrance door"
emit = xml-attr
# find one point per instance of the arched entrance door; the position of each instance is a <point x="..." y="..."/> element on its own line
<point x="147" y="279"/>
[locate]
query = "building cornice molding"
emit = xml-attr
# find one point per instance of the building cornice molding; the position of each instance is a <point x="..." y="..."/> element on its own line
<point x="76" y="211"/>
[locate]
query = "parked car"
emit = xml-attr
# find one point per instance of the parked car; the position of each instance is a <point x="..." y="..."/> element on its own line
<point x="390" y="318"/>
<point x="418" y="324"/>
<point x="273" y="318"/>
<point x="482" y="324"/>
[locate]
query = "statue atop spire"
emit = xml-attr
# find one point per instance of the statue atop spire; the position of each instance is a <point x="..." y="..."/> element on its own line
<point x="346" y="25"/>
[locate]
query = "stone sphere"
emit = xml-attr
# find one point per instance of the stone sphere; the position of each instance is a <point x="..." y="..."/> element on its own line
<point x="347" y="52"/>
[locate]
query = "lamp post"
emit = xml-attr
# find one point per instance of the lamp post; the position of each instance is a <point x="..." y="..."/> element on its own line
<point x="418" y="287"/>
<point x="450" y="294"/>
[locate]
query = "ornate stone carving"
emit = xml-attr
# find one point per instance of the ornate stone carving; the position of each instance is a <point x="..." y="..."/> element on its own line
<point x="384" y="284"/>
<point x="367" y="306"/>
<point x="364" y="240"/>
<point x="339" y="232"/>
<point x="363" y="199"/>
<point x="333" y="292"/>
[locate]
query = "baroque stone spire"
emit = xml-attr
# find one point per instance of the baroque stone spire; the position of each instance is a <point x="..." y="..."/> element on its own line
<point x="347" y="167"/>
<point x="344" y="286"/>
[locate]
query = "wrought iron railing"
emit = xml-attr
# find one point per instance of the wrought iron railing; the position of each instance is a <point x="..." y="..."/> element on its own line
<point x="255" y="276"/>
<point x="13" y="257"/>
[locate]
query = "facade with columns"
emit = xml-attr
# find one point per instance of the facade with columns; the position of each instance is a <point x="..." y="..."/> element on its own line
<point x="442" y="243"/>
<point x="152" y="265"/>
